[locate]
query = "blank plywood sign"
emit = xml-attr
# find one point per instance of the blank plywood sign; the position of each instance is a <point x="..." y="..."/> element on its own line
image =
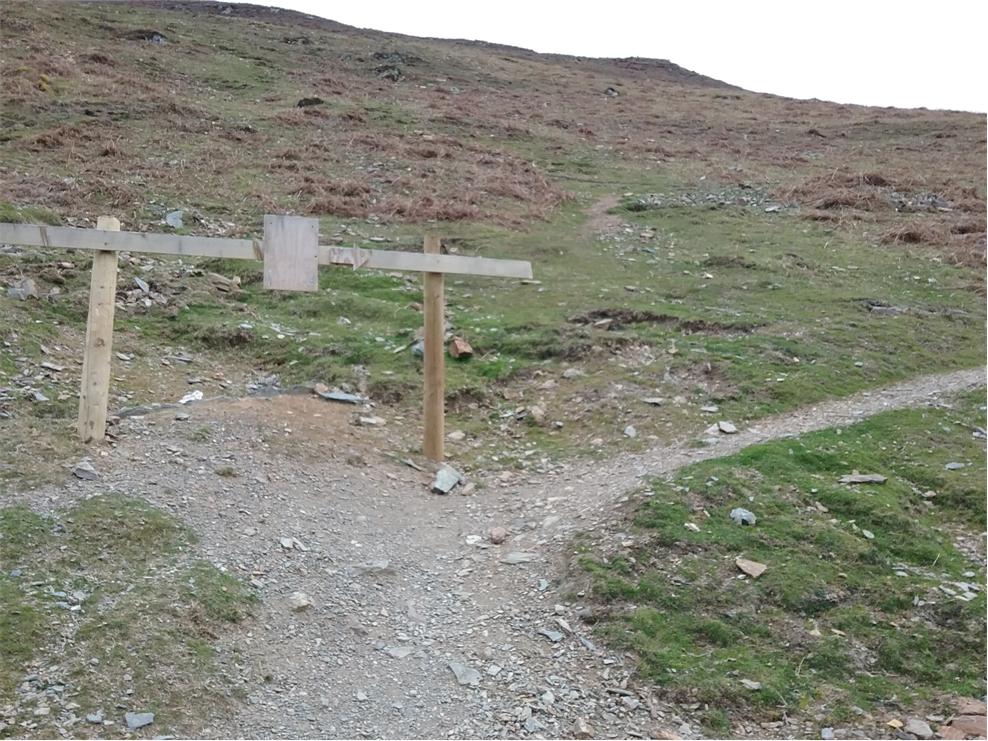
<point x="291" y="253"/>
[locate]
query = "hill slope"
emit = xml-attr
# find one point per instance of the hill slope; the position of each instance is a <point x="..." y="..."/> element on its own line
<point x="136" y="107"/>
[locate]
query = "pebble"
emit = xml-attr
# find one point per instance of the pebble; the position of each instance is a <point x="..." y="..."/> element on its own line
<point x="497" y="535"/>
<point x="726" y="427"/>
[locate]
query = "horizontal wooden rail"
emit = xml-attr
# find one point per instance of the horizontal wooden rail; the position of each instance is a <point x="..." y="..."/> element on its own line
<point x="33" y="235"/>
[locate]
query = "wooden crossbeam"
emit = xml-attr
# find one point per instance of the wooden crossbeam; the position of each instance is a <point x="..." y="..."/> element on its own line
<point x="291" y="255"/>
<point x="62" y="237"/>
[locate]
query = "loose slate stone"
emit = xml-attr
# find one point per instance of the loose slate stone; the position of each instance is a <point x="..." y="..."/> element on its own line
<point x="726" y="427"/>
<point x="446" y="480"/>
<point x="138" y="720"/>
<point x="84" y="470"/>
<point x="751" y="568"/>
<point x="553" y="635"/>
<point x="918" y="728"/>
<point x="517" y="557"/>
<point x="465" y="675"/>
<point x="341" y="396"/>
<point x="863" y="478"/>
<point x="954" y="466"/>
<point x="399" y="652"/>
<point x="299" y="601"/>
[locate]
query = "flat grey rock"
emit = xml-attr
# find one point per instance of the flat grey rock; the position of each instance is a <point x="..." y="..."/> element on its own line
<point x="84" y="470"/>
<point x="553" y="635"/>
<point x="465" y="675"/>
<point x="517" y="557"/>
<point x="138" y="720"/>
<point x="863" y="478"/>
<point x="446" y="480"/>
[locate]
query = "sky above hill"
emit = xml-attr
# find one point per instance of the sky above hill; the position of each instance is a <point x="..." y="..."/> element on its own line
<point x="881" y="53"/>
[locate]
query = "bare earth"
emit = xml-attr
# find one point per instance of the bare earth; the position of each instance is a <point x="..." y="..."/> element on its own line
<point x="403" y="581"/>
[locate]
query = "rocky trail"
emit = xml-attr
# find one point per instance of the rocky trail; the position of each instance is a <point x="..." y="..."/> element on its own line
<point x="389" y="611"/>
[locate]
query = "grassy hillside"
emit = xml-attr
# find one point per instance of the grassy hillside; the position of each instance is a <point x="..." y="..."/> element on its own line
<point x="694" y="242"/>
<point x="872" y="601"/>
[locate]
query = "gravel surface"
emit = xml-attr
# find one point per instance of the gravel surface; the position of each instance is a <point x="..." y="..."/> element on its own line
<point x="387" y="610"/>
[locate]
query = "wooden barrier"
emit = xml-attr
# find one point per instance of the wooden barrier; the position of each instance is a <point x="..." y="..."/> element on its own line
<point x="291" y="255"/>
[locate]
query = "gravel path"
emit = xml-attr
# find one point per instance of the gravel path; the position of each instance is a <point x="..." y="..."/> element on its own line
<point x="404" y="583"/>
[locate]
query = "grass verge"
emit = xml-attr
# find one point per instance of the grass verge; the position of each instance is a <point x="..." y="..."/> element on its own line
<point x="105" y="609"/>
<point x="873" y="595"/>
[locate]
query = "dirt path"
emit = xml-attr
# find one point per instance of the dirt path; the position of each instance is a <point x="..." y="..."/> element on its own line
<point x="599" y="222"/>
<point x="404" y="582"/>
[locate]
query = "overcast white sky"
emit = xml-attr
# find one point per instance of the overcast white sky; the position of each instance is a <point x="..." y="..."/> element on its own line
<point x="905" y="53"/>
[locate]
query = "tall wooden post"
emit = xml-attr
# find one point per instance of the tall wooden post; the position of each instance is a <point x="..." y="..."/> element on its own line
<point x="94" y="395"/>
<point x="434" y="356"/>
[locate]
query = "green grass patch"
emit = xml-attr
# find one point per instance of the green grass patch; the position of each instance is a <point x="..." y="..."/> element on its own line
<point x="851" y="603"/>
<point x="143" y="612"/>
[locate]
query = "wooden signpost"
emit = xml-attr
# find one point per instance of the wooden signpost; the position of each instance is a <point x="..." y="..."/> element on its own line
<point x="291" y="254"/>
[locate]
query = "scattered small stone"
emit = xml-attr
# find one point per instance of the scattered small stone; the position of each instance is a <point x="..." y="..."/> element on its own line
<point x="751" y="568"/>
<point x="918" y="728"/>
<point x="751" y="684"/>
<point x="692" y="526"/>
<point x="456" y="436"/>
<point x="191" y="396"/>
<point x="446" y="480"/>
<point x="174" y="219"/>
<point x="726" y="427"/>
<point x="868" y="534"/>
<point x="582" y="729"/>
<point x="95" y="718"/>
<point x="630" y="431"/>
<point x="955" y="466"/>
<point x="970" y="725"/>
<point x="517" y="557"/>
<point x="571" y="373"/>
<point x="863" y="478"/>
<point x="52" y="367"/>
<point x="655" y="401"/>
<point x="553" y="635"/>
<point x="299" y="601"/>
<point x="362" y="696"/>
<point x="23" y="289"/>
<point x="371" y="421"/>
<point x="84" y="470"/>
<point x="459" y="348"/>
<point x="465" y="675"/>
<point x="182" y="416"/>
<point x="138" y="720"/>
<point x="340" y="396"/>
<point x="711" y="408"/>
<point x="742" y="516"/>
<point x="399" y="652"/>
<point x="497" y="535"/>
<point x="827" y="734"/>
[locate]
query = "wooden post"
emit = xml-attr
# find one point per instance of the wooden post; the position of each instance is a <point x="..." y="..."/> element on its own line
<point x="95" y="392"/>
<point x="435" y="326"/>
